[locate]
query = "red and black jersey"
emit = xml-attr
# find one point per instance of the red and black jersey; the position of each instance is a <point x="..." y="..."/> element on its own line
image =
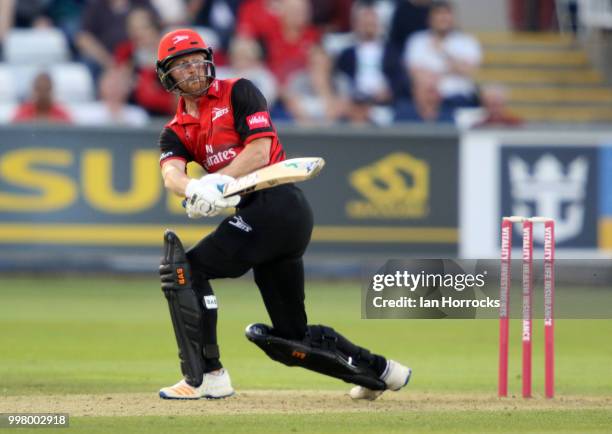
<point x="233" y="113"/>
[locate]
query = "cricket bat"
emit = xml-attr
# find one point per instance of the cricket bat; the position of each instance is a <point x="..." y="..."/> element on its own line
<point x="292" y="170"/>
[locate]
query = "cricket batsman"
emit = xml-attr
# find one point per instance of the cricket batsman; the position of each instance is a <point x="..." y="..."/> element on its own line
<point x="225" y="126"/>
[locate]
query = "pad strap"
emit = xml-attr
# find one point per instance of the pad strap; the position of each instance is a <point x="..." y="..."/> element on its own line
<point x="211" y="351"/>
<point x="322" y="337"/>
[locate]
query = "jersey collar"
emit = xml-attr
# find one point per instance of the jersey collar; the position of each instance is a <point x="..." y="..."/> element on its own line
<point x="213" y="90"/>
<point x="183" y="118"/>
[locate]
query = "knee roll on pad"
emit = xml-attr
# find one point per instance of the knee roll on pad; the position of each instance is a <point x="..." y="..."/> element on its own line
<point x="316" y="352"/>
<point x="185" y="310"/>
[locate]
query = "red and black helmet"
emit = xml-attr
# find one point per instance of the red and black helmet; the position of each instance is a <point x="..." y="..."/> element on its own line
<point x="176" y="44"/>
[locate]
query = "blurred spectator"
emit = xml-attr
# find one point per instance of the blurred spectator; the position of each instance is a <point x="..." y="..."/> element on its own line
<point x="41" y="107"/>
<point x="246" y="62"/>
<point x="301" y="67"/>
<point x="332" y="15"/>
<point x="66" y="15"/>
<point x="384" y="9"/>
<point x="257" y="17"/>
<point x="219" y="15"/>
<point x="363" y="64"/>
<point x="63" y="14"/>
<point x="139" y="52"/>
<point x="447" y="54"/>
<point x="31" y="13"/>
<point x="103" y="29"/>
<point x="568" y="15"/>
<point x="171" y="12"/>
<point x="288" y="42"/>
<point x="308" y="94"/>
<point x="533" y="15"/>
<point x="494" y="99"/>
<point x="7" y="15"/>
<point x="113" y="108"/>
<point x="410" y="16"/>
<point x="426" y="106"/>
<point x="573" y="14"/>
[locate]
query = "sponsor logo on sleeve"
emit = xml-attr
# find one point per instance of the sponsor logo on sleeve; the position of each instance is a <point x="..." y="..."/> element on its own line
<point x="258" y="120"/>
<point x="165" y="155"/>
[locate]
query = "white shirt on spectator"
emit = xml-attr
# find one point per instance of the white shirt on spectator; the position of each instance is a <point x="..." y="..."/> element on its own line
<point x="369" y="77"/>
<point x="421" y="53"/>
<point x="98" y="114"/>
<point x="171" y="11"/>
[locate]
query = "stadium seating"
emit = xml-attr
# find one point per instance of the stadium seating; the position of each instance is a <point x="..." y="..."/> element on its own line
<point x="83" y="113"/>
<point x="21" y="77"/>
<point x="549" y="76"/>
<point x="36" y="46"/>
<point x="8" y="92"/>
<point x="72" y="83"/>
<point x="7" y="110"/>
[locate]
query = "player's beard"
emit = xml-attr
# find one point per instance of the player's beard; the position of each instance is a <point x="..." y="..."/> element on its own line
<point x="195" y="85"/>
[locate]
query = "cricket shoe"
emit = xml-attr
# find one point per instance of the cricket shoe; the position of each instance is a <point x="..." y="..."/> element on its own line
<point x="395" y="377"/>
<point x="215" y="385"/>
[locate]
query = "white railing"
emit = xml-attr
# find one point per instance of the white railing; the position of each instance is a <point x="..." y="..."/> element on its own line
<point x="595" y="13"/>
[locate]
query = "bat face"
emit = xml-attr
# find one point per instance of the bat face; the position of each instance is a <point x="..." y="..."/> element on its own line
<point x="292" y="170"/>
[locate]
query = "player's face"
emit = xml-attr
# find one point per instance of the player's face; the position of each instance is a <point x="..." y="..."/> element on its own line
<point x="189" y="72"/>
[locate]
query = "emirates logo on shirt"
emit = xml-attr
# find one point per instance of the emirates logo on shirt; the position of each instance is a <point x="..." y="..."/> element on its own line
<point x="258" y="120"/>
<point x="218" y="156"/>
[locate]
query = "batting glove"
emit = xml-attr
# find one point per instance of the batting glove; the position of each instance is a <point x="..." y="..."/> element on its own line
<point x="219" y="181"/>
<point x="205" y="197"/>
<point x="197" y="207"/>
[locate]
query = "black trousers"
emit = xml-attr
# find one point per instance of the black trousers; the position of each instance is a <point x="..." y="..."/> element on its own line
<point x="268" y="233"/>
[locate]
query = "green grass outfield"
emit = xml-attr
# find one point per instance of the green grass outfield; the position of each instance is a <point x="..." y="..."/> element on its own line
<point x="100" y="348"/>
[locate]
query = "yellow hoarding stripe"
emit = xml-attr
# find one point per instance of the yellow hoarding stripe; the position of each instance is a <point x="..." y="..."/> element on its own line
<point x="151" y="235"/>
<point x="96" y="234"/>
<point x="393" y="234"/>
<point x="605" y="233"/>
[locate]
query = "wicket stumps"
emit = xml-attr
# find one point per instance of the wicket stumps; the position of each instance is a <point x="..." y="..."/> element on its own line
<point x="527" y="292"/>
